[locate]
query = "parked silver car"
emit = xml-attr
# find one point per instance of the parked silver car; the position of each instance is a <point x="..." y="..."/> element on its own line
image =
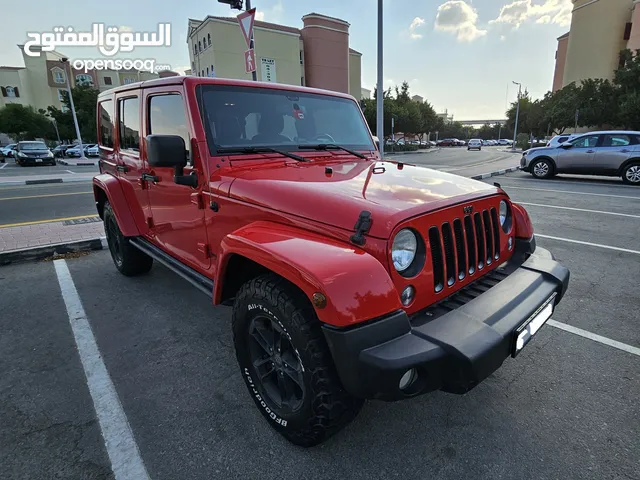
<point x="611" y="153"/>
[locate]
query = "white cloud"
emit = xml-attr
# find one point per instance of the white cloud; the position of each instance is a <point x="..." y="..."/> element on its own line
<point x="502" y="38"/>
<point x="417" y="23"/>
<point x="457" y="16"/>
<point x="260" y="16"/>
<point x="550" y="11"/>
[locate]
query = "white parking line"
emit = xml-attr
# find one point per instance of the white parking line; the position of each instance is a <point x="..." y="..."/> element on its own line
<point x="507" y="187"/>
<point x="596" y="182"/>
<point x="70" y="171"/>
<point x="578" y="209"/>
<point x="580" y="242"/>
<point x="3" y="165"/>
<point x="126" y="462"/>
<point x="596" y="338"/>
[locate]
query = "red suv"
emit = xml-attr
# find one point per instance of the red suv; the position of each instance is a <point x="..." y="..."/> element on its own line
<point x="350" y="278"/>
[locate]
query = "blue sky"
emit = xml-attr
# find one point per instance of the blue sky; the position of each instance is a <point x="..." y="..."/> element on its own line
<point x="461" y="55"/>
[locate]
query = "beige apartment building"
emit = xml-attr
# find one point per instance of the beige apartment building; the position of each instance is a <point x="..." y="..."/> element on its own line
<point x="600" y="29"/>
<point x="42" y="80"/>
<point x="318" y="55"/>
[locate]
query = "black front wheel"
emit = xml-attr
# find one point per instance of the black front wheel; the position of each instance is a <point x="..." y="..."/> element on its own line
<point x="541" y="169"/>
<point x="286" y="364"/>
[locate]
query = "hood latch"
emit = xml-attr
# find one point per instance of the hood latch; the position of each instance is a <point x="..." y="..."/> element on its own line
<point x="362" y="226"/>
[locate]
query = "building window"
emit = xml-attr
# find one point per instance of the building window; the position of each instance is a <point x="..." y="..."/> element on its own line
<point x="195" y="49"/>
<point x="129" y="125"/>
<point x="209" y="37"/>
<point x="107" y="81"/>
<point x="61" y="93"/>
<point x="84" y="79"/>
<point x="207" y="71"/>
<point x="199" y="46"/>
<point x="58" y="75"/>
<point x="212" y="71"/>
<point x="193" y="67"/>
<point x="301" y="57"/>
<point x="128" y="80"/>
<point x="105" y="123"/>
<point x="11" y="92"/>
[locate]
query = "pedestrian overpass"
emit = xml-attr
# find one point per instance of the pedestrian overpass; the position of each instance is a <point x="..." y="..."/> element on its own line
<point x="482" y="122"/>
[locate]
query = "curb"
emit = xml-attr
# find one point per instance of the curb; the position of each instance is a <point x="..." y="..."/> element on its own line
<point x="39" y="253"/>
<point x="46" y="180"/>
<point x="496" y="173"/>
<point x="76" y="164"/>
<point x="424" y="150"/>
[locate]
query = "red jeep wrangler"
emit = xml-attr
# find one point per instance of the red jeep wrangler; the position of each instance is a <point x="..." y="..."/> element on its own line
<point x="350" y="278"/>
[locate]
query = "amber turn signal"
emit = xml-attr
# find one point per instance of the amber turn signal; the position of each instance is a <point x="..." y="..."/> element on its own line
<point x="319" y="300"/>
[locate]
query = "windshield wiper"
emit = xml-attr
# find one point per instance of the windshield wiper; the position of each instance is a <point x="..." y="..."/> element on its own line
<point x="261" y="150"/>
<point x="330" y="146"/>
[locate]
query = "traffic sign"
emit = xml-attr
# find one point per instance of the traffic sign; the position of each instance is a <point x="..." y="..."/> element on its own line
<point x="250" y="60"/>
<point x="246" y="19"/>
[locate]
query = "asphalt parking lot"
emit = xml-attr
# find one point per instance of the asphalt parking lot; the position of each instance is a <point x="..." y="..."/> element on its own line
<point x="566" y="408"/>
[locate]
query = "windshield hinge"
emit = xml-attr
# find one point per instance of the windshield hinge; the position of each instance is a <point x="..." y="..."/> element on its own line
<point x="362" y="226"/>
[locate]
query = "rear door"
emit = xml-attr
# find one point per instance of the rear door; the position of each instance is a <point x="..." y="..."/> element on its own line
<point x="130" y="165"/>
<point x="178" y="211"/>
<point x="614" y="149"/>
<point x="580" y="157"/>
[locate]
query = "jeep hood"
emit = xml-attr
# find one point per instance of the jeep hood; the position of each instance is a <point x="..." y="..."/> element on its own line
<point x="390" y="191"/>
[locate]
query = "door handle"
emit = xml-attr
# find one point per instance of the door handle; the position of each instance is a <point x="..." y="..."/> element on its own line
<point x="122" y="168"/>
<point x="150" y="178"/>
<point x="590" y="151"/>
<point x="624" y="150"/>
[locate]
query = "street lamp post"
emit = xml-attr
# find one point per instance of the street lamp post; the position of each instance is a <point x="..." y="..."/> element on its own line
<point x="515" y="130"/>
<point x="380" y="89"/>
<point x="67" y="74"/>
<point x="55" y="125"/>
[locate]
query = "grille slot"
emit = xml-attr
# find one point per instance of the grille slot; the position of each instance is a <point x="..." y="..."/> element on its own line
<point x="449" y="255"/>
<point x="496" y="233"/>
<point x="436" y="258"/>
<point x="460" y="246"/>
<point x="488" y="236"/>
<point x="471" y="243"/>
<point x="480" y="240"/>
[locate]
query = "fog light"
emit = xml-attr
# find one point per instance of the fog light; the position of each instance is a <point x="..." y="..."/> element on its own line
<point x="407" y="295"/>
<point x="510" y="244"/>
<point x="408" y="378"/>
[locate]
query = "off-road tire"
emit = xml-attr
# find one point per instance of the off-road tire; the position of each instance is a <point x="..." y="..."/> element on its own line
<point x="326" y="407"/>
<point x="634" y="165"/>
<point x="128" y="259"/>
<point x="549" y="168"/>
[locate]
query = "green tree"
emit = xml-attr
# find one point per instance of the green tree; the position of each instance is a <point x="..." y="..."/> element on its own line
<point x="85" y="99"/>
<point x="24" y="123"/>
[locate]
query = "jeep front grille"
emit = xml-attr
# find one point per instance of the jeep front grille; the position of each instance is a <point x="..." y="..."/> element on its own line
<point x="465" y="248"/>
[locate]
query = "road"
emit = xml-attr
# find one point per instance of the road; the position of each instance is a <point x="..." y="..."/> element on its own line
<point x="566" y="408"/>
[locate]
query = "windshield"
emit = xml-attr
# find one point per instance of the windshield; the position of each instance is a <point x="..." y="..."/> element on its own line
<point x="33" y="146"/>
<point x="252" y="117"/>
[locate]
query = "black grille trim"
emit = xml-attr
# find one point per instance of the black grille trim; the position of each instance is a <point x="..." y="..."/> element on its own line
<point x="488" y="236"/>
<point x="449" y="253"/>
<point x="436" y="258"/>
<point x="477" y="220"/>
<point x="460" y="249"/>
<point x="496" y="233"/>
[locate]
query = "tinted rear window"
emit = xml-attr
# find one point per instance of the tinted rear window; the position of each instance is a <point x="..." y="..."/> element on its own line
<point x="562" y="139"/>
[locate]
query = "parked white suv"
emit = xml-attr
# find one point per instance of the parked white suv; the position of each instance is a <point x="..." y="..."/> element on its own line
<point x="558" y="139"/>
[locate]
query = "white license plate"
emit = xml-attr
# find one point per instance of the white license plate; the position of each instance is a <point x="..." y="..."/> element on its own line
<point x="525" y="332"/>
<point x="38" y="160"/>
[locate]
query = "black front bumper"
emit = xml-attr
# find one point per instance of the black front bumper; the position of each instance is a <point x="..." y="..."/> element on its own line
<point x="452" y="351"/>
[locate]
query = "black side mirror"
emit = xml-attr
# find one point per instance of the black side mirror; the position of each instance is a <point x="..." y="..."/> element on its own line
<point x="170" y="151"/>
<point x="566" y="145"/>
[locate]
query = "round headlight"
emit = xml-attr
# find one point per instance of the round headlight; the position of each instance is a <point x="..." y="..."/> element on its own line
<point x="403" y="250"/>
<point x="505" y="216"/>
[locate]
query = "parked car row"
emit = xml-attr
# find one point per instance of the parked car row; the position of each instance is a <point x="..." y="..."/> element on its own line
<point x="12" y="151"/>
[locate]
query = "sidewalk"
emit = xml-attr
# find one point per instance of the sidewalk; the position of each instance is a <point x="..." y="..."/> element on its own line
<point x="52" y="178"/>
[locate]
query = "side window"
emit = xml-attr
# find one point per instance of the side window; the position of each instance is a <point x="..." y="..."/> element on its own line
<point x="129" y="124"/>
<point x="616" y="140"/>
<point x="167" y="116"/>
<point x="586" y="141"/>
<point x="105" y="123"/>
<point x="562" y="139"/>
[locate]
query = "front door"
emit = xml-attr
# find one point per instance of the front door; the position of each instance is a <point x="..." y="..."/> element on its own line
<point x="614" y="149"/>
<point x="580" y="157"/>
<point x="178" y="215"/>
